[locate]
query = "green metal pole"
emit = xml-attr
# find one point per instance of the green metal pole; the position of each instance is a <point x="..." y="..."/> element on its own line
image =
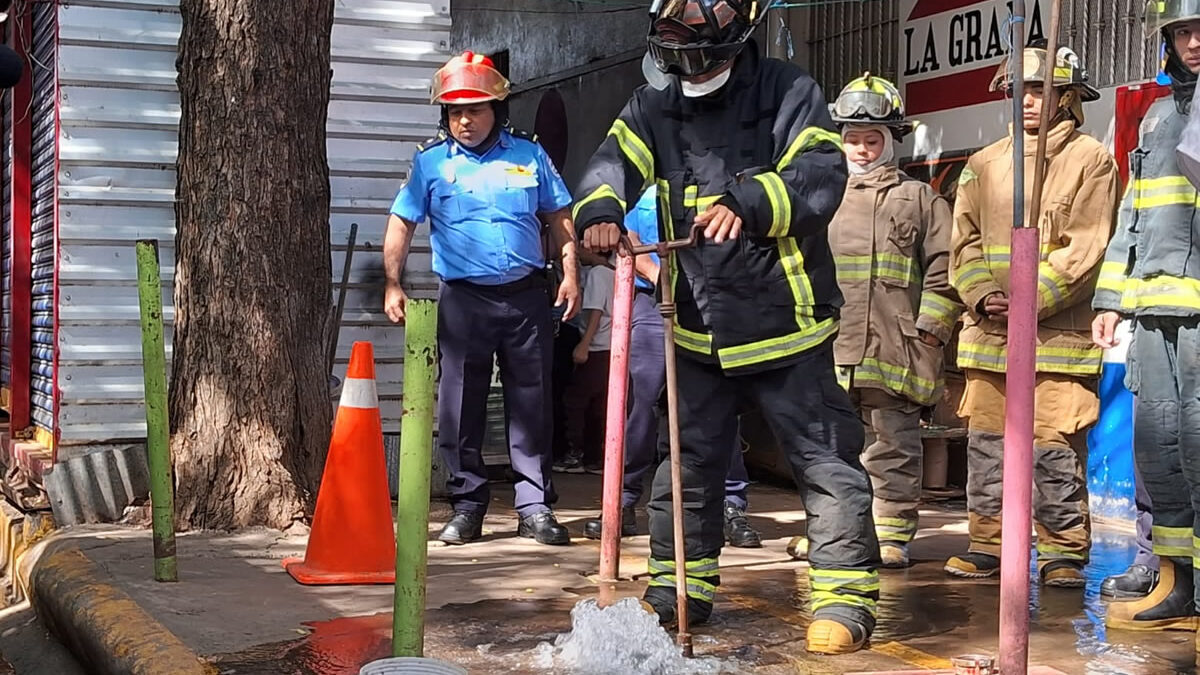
<point x="416" y="461"/>
<point x="158" y="448"/>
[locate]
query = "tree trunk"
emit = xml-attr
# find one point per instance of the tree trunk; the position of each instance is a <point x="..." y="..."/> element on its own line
<point x="249" y="400"/>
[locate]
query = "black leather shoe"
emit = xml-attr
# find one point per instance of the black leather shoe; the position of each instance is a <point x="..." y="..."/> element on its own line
<point x="462" y="528"/>
<point x="592" y="526"/>
<point x="738" y="532"/>
<point x="544" y="528"/>
<point x="1134" y="582"/>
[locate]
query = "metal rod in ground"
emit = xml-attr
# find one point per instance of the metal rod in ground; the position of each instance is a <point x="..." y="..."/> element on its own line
<point x="416" y="463"/>
<point x="1019" y="391"/>
<point x="158" y="439"/>
<point x="614" y="434"/>
<point x="684" y="638"/>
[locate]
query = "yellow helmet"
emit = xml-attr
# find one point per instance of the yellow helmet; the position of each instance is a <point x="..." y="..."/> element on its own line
<point x="871" y="99"/>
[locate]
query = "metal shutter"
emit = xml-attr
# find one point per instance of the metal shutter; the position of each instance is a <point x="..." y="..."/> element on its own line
<point x="45" y="132"/>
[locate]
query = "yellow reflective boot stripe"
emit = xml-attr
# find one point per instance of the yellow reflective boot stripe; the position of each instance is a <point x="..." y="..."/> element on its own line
<point x="776" y="348"/>
<point x="635" y="150"/>
<point x="1062" y="553"/>
<point x="895" y="529"/>
<point x="697" y="589"/>
<point x="781" y="205"/>
<point x="1112" y="277"/>
<point x="700" y="568"/>
<point x="809" y="137"/>
<point x="599" y="193"/>
<point x="1174" y="542"/>
<point x="1161" y="291"/>
<point x="939" y="308"/>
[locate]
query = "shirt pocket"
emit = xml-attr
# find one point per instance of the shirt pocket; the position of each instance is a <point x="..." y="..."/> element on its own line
<point x="518" y="196"/>
<point x="893" y="262"/>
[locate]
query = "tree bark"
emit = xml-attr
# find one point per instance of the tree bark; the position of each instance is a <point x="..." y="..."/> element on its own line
<point x="249" y="399"/>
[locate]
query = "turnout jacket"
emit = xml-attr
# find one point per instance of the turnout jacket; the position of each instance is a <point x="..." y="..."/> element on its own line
<point x="1152" y="267"/>
<point x="891" y="245"/>
<point x="765" y="146"/>
<point x="1078" y="209"/>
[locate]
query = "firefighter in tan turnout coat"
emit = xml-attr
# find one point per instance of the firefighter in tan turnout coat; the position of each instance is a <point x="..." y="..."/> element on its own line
<point x="1079" y="200"/>
<point x="890" y="241"/>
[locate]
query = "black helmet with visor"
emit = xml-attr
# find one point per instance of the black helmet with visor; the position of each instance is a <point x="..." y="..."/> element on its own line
<point x="695" y="37"/>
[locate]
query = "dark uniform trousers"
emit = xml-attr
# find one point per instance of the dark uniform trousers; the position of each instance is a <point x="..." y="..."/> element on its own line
<point x="821" y="434"/>
<point x="1164" y="374"/>
<point x="510" y="323"/>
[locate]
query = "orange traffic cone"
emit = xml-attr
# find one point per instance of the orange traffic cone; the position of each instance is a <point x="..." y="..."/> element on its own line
<point x="352" y="540"/>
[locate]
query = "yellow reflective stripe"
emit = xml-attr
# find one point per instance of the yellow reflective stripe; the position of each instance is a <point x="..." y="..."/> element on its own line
<point x="1061" y="553"/>
<point x="781" y="205"/>
<point x="1170" y="199"/>
<point x="700" y="590"/>
<point x="765" y="351"/>
<point x="1065" y="360"/>
<point x="700" y="568"/>
<point x="882" y="265"/>
<point x="1175" y="542"/>
<point x="792" y="261"/>
<point x="808" y="137"/>
<point x="1112" y="277"/>
<point x="1163" y="191"/>
<point x="664" y="206"/>
<point x="822" y="599"/>
<point x="895" y="529"/>
<point x="1161" y="291"/>
<point x="939" y="308"/>
<point x="635" y="150"/>
<point x="844" y="375"/>
<point x="894" y="265"/>
<point x="599" y="193"/>
<point x="970" y="274"/>
<point x="835" y="586"/>
<point x="701" y="204"/>
<point x="1160" y="183"/>
<point x="1052" y="288"/>
<point x="693" y="341"/>
<point x="900" y="380"/>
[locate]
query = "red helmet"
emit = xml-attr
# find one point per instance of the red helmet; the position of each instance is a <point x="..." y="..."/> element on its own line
<point x="466" y="79"/>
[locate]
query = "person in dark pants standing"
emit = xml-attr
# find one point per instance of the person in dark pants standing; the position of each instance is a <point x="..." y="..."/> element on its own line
<point x="486" y="190"/>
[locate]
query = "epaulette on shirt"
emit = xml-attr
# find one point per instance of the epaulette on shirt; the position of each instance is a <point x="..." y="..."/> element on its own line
<point x="519" y="133"/>
<point x="441" y="137"/>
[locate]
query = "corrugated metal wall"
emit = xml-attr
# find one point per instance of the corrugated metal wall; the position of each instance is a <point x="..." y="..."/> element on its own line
<point x="119" y="116"/>
<point x="42" y="166"/>
<point x="848" y="38"/>
<point x="1107" y="35"/>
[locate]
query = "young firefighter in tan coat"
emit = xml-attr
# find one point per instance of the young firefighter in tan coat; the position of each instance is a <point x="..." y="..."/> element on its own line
<point x="890" y="241"/>
<point x="1079" y="201"/>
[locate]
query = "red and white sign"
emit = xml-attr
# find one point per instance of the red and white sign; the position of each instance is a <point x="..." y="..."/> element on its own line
<point x="950" y="49"/>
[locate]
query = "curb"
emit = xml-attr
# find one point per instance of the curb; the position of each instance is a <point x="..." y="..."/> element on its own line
<point x="103" y="627"/>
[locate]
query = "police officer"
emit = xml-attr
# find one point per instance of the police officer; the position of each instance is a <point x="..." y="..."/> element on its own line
<point x="1080" y="193"/>
<point x="487" y="191"/>
<point x="647" y="375"/>
<point x="744" y="147"/>
<point x="890" y="241"/>
<point x="1150" y="274"/>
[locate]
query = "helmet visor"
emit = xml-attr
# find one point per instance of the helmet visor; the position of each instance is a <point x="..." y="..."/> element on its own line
<point x="1162" y="13"/>
<point x="690" y="61"/>
<point x="863" y="104"/>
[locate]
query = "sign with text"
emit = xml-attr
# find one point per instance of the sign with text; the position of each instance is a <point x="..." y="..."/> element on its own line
<point x="950" y="50"/>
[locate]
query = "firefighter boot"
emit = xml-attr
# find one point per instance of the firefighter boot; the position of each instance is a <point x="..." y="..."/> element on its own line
<point x="738" y="532"/>
<point x="1062" y="574"/>
<point x="798" y="548"/>
<point x="662" y="600"/>
<point x="835" y="635"/>
<point x="1134" y="582"/>
<point x="1169" y="606"/>
<point x="973" y="566"/>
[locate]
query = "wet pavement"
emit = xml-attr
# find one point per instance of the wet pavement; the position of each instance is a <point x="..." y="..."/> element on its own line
<point x="493" y="605"/>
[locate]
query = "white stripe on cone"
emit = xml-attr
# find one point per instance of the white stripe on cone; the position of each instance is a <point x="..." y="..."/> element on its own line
<point x="359" y="393"/>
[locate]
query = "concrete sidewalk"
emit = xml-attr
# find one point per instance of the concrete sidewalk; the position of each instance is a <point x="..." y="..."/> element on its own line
<point x="491" y="603"/>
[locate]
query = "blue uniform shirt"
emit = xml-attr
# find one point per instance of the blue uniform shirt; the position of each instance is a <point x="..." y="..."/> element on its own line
<point x="643" y="221"/>
<point x="483" y="209"/>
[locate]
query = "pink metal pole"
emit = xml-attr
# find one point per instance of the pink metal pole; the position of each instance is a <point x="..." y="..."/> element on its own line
<point x="614" y="430"/>
<point x="1018" y="453"/>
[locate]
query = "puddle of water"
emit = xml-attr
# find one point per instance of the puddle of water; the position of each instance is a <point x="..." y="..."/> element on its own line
<point x="337" y="647"/>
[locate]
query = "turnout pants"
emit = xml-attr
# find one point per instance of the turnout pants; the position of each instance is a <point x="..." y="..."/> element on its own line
<point x="475" y="325"/>
<point x="1064" y="408"/>
<point x="1164" y="373"/>
<point x="894" y="458"/>
<point x="819" y="431"/>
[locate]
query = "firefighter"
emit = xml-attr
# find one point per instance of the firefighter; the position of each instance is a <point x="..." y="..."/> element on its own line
<point x="743" y="147"/>
<point x="890" y="242"/>
<point x="1076" y="219"/>
<point x="487" y="190"/>
<point x="1150" y="274"/>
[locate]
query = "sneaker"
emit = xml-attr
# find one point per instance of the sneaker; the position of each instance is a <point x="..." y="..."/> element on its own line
<point x="973" y="566"/>
<point x="568" y="464"/>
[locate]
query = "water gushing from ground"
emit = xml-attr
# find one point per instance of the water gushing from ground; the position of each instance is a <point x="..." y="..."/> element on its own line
<point x="621" y="638"/>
